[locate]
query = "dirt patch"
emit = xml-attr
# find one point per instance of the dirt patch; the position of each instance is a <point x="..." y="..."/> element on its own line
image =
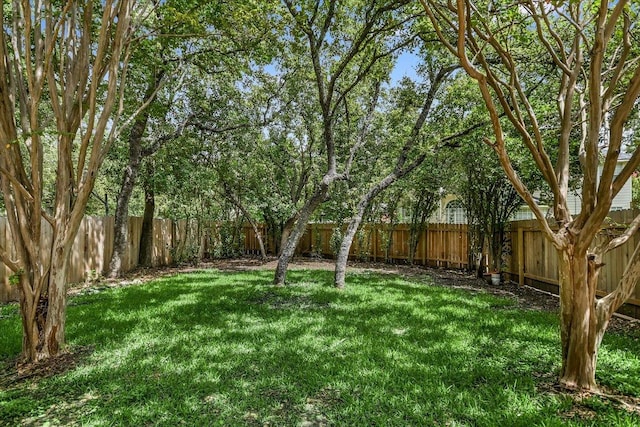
<point x="17" y="372"/>
<point x="276" y="301"/>
<point x="526" y="297"/>
<point x="586" y="404"/>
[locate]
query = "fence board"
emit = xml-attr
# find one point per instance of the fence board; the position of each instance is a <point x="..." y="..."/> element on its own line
<point x="76" y="267"/>
<point x="443" y="245"/>
<point x="531" y="257"/>
<point x="540" y="260"/>
<point x="99" y="243"/>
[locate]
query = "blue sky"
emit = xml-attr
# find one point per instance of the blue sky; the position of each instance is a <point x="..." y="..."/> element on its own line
<point x="405" y="66"/>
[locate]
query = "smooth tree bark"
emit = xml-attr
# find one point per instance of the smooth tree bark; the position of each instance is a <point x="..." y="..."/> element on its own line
<point x="402" y="168"/>
<point x="288" y="250"/>
<point x="64" y="61"/>
<point x="340" y="67"/>
<point x="597" y="89"/>
<point x="287" y="228"/>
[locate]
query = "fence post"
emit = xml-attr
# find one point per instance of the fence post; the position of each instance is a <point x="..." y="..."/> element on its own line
<point x="424" y="245"/>
<point x="520" y="256"/>
<point x="374" y="243"/>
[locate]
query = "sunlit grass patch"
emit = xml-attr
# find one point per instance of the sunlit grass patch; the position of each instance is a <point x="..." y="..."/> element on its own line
<point x="230" y="349"/>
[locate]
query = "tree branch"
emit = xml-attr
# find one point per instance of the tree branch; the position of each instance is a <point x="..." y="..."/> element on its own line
<point x="7" y="261"/>
<point x="620" y="240"/>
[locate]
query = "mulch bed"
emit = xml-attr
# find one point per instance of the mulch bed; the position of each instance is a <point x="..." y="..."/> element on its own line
<point x="15" y="371"/>
<point x="526" y="296"/>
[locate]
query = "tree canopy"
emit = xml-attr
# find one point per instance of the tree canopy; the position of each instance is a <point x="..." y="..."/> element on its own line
<point x="283" y="112"/>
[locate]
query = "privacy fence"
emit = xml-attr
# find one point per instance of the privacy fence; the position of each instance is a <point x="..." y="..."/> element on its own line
<point x="180" y="241"/>
<point x="530" y="257"/>
<point x="532" y="260"/>
<point x="440" y="245"/>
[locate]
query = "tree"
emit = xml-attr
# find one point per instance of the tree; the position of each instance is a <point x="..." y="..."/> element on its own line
<point x="596" y="80"/>
<point x="345" y="45"/>
<point x="290" y="155"/>
<point x="62" y="63"/>
<point x="489" y="200"/>
<point x="187" y="38"/>
<point x="403" y="166"/>
<point x="240" y="146"/>
<point x="423" y="194"/>
<point x="137" y="153"/>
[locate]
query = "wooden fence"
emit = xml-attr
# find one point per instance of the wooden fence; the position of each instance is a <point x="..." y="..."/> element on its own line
<point x="92" y="249"/>
<point x="441" y="245"/>
<point x="533" y="260"/>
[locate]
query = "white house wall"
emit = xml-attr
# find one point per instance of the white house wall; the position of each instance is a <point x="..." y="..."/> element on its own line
<point x="574" y="201"/>
<point x="623" y="199"/>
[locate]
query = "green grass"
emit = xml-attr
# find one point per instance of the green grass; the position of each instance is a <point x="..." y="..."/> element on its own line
<point x="216" y="348"/>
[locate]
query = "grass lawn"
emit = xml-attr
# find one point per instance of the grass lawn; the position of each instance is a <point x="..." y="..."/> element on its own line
<point x="220" y="348"/>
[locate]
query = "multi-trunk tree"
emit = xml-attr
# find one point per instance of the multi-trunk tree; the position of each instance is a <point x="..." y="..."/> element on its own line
<point x="345" y="44"/>
<point x="412" y="153"/>
<point x="595" y="82"/>
<point x="62" y="73"/>
<point x="207" y="42"/>
<point x="423" y="194"/>
<point x="489" y="201"/>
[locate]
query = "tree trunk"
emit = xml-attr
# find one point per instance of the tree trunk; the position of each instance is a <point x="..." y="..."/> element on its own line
<point x="476" y="250"/>
<point x="29" y="100"/>
<point x="352" y="228"/>
<point x="289" y="247"/>
<point x="414" y="239"/>
<point x="578" y="320"/>
<point x="496" y="245"/>
<point x="121" y="225"/>
<point x="390" y="228"/>
<point x="54" y="336"/>
<point x="286" y="230"/>
<point x="272" y="232"/>
<point x="129" y="178"/>
<point x="202" y="240"/>
<point x="345" y="248"/>
<point x="347" y="240"/>
<point x="146" y="236"/>
<point x="236" y="201"/>
<point x="419" y="221"/>
<point x="32" y="324"/>
<point x="256" y="231"/>
<point x="43" y="320"/>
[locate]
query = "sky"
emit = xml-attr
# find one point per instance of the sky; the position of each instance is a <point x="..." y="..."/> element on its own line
<point x="405" y="67"/>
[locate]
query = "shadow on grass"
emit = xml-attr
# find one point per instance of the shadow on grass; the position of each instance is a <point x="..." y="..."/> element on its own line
<point x="230" y="349"/>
